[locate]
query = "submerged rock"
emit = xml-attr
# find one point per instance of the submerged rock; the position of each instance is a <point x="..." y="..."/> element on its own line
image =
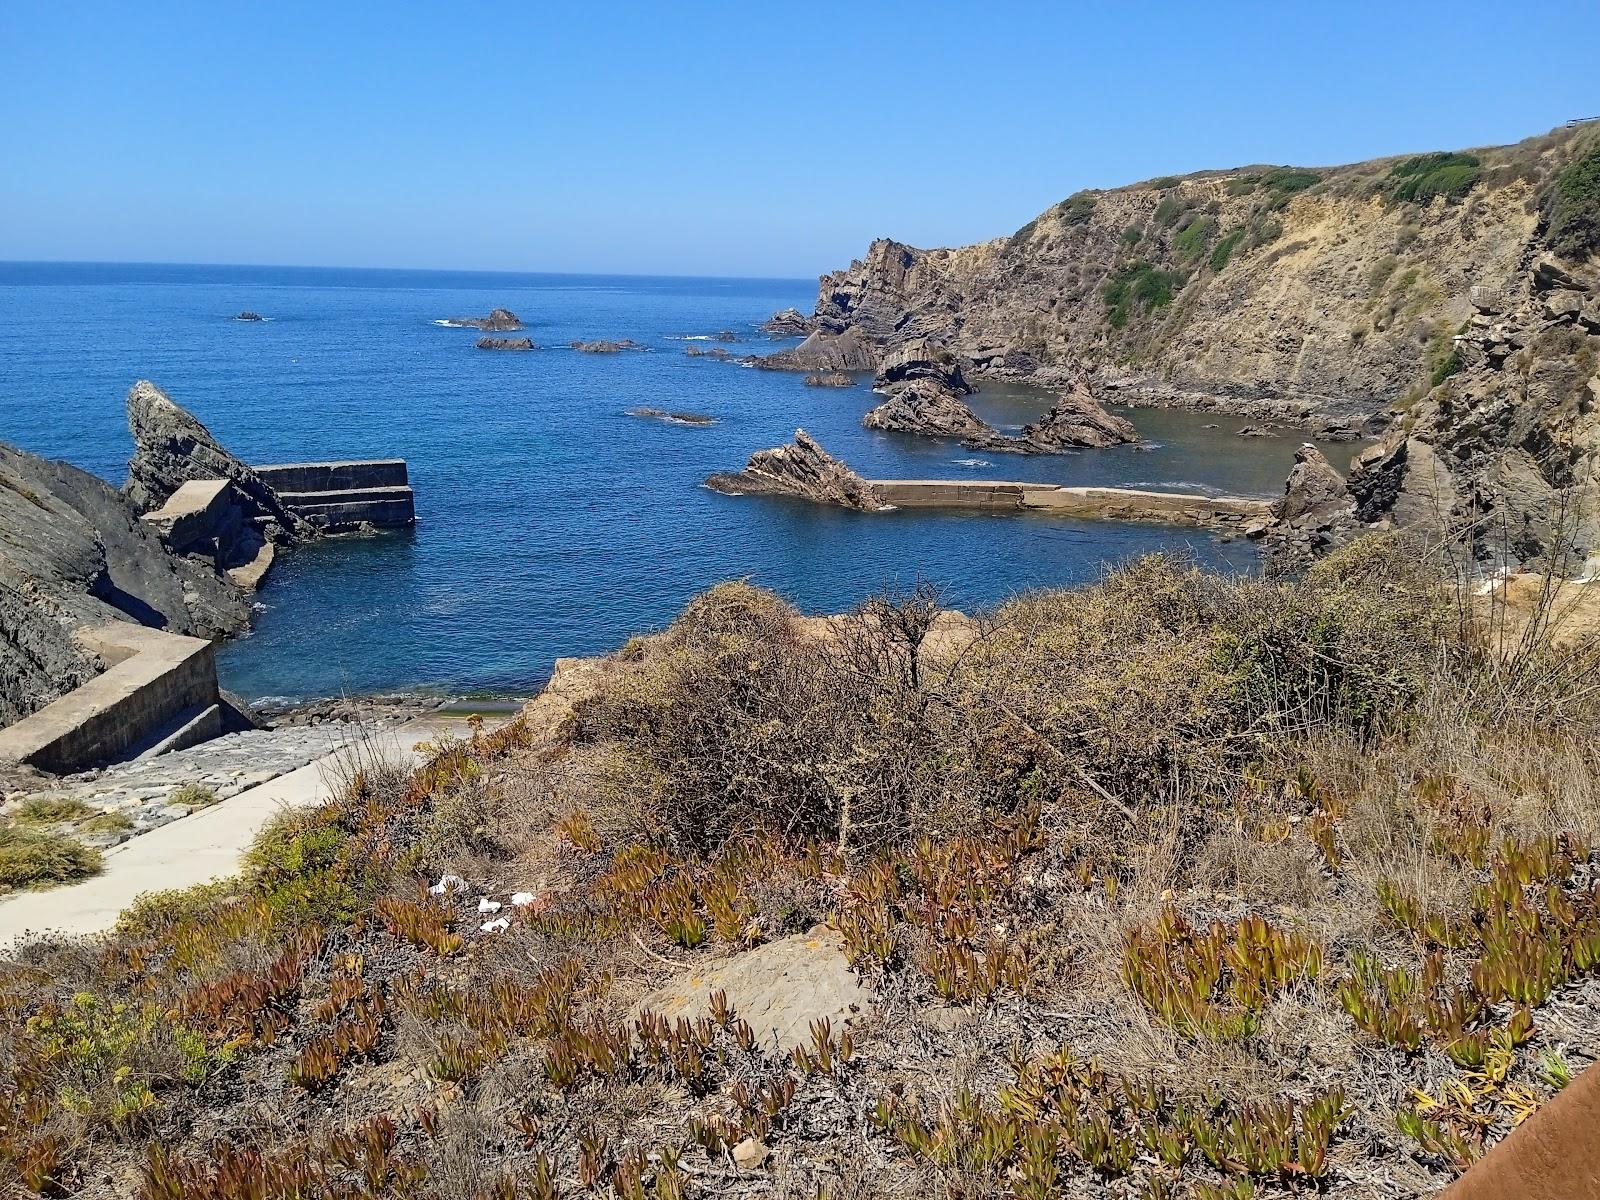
<point x="499" y="320"/>
<point x="492" y="343"/>
<point x="802" y="469"/>
<point x="716" y="352"/>
<point x="172" y="447"/>
<point x="675" y="418"/>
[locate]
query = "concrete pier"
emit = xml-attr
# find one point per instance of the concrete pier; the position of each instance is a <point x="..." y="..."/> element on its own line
<point x="341" y="494"/>
<point x="1086" y="503"/>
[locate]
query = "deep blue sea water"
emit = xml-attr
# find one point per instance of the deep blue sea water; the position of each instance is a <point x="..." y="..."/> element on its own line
<point x="551" y="522"/>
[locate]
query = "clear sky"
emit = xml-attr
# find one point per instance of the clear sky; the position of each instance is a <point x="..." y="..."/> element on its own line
<point x="706" y="138"/>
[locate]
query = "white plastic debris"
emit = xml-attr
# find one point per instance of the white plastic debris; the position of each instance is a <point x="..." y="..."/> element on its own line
<point x="448" y="883"/>
<point x="495" y="926"/>
<point x="486" y="905"/>
<point x="521" y="899"/>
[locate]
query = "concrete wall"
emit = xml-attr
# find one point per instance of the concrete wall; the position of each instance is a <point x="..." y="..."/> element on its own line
<point x="341" y="494"/>
<point x="156" y="680"/>
<point x="199" y="511"/>
<point x="1087" y="503"/>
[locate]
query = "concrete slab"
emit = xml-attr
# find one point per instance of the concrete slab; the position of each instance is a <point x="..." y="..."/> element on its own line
<point x="208" y="845"/>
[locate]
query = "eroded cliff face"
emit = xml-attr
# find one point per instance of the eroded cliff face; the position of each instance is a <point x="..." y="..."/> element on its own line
<point x="1328" y="295"/>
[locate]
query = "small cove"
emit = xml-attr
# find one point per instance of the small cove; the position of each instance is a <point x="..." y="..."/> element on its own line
<point x="552" y="521"/>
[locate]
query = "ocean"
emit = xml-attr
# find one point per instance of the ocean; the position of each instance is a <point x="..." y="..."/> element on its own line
<point x="551" y="522"/>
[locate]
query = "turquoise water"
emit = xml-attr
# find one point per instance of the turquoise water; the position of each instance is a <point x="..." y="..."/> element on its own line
<point x="551" y="523"/>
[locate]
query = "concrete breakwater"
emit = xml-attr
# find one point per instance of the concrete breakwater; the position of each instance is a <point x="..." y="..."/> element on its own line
<point x="341" y="494"/>
<point x="1087" y="503"/>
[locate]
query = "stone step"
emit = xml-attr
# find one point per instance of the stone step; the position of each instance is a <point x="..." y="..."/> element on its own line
<point x="298" y="500"/>
<point x="396" y="510"/>
<point x="189" y="728"/>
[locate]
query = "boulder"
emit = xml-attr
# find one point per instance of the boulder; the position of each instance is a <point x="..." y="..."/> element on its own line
<point x="847" y="351"/>
<point x="791" y="322"/>
<point x="499" y="320"/>
<point x="494" y="343"/>
<point x="802" y="469"/>
<point x="779" y="989"/>
<point x="171" y="447"/>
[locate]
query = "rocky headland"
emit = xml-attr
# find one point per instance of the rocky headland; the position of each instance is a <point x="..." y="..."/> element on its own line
<point x="802" y="469"/>
<point x="499" y="320"/>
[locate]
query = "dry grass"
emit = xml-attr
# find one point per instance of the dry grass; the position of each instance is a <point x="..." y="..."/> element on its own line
<point x="1171" y="886"/>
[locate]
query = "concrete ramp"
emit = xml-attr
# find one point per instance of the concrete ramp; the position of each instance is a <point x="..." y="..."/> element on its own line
<point x="1084" y="503"/>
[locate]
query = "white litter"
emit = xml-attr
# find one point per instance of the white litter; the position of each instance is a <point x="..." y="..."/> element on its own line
<point x="495" y="926"/>
<point x="486" y="905"/>
<point x="448" y="883"/>
<point x="521" y="899"/>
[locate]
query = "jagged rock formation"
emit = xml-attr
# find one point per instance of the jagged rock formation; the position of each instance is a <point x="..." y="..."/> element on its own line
<point x="499" y="320"/>
<point x="923" y="407"/>
<point x="802" y="469"/>
<point x="493" y="343"/>
<point x="172" y="447"/>
<point x="1315" y="515"/>
<point x="830" y="379"/>
<point x="1502" y="453"/>
<point x="605" y="347"/>
<point x="791" y="322"/>
<point x="1076" y="421"/>
<point x="1322" y="296"/>
<point x="846" y="351"/>
<point x="922" y="360"/>
<point x="74" y="553"/>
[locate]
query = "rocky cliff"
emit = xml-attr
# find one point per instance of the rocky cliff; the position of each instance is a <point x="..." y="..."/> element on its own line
<point x="73" y="552"/>
<point x="1327" y="295"/>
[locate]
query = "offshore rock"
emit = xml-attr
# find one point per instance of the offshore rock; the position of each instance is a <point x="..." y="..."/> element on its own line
<point x="605" y="347"/>
<point x="494" y="343"/>
<point x="922" y="360"/>
<point x="74" y="553"/>
<point x="1316" y="514"/>
<point x="802" y="469"/>
<point x="1077" y="421"/>
<point x="171" y="447"/>
<point x="673" y="418"/>
<point x="247" y="315"/>
<point x="791" y="322"/>
<point x="923" y="407"/>
<point x="831" y="379"/>
<point x="499" y="320"/>
<point x="847" y="351"/>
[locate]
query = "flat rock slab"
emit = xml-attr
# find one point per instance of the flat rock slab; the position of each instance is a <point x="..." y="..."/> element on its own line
<point x="779" y="988"/>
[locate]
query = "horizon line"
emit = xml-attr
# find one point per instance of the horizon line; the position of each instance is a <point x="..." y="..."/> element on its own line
<point x="89" y="262"/>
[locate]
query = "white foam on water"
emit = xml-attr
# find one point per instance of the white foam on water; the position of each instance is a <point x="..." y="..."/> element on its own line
<point x="972" y="462"/>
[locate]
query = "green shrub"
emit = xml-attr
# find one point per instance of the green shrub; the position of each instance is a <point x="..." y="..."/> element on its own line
<point x="1286" y="181"/>
<point x="1138" y="287"/>
<point x="193" y="795"/>
<point x="1426" y="176"/>
<point x="32" y="858"/>
<point x="1223" y="250"/>
<point x="52" y="810"/>
<point x="1132" y="235"/>
<point x="1078" y="208"/>
<point x="1169" y="210"/>
<point x="1191" y="241"/>
<point x="1571" y="207"/>
<point x="1162" y="182"/>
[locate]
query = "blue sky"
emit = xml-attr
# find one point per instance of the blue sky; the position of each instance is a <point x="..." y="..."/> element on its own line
<point x="706" y="138"/>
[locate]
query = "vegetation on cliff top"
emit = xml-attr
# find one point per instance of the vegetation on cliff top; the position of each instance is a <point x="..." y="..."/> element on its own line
<point x="1571" y="206"/>
<point x="1171" y="886"/>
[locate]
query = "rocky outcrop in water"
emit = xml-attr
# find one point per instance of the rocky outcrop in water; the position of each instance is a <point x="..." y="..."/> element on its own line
<point x="923" y="407"/>
<point x="499" y="320"/>
<point x="1076" y="421"/>
<point x="172" y="447"/>
<point x="605" y="347"/>
<point x="247" y="315"/>
<point x="847" y="351"/>
<point x="493" y="343"/>
<point x="673" y="418"/>
<point x="716" y="352"/>
<point x="74" y="553"/>
<point x="1315" y="514"/>
<point x="791" y="322"/>
<point x="1309" y="296"/>
<point x="834" y="379"/>
<point x="802" y="469"/>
